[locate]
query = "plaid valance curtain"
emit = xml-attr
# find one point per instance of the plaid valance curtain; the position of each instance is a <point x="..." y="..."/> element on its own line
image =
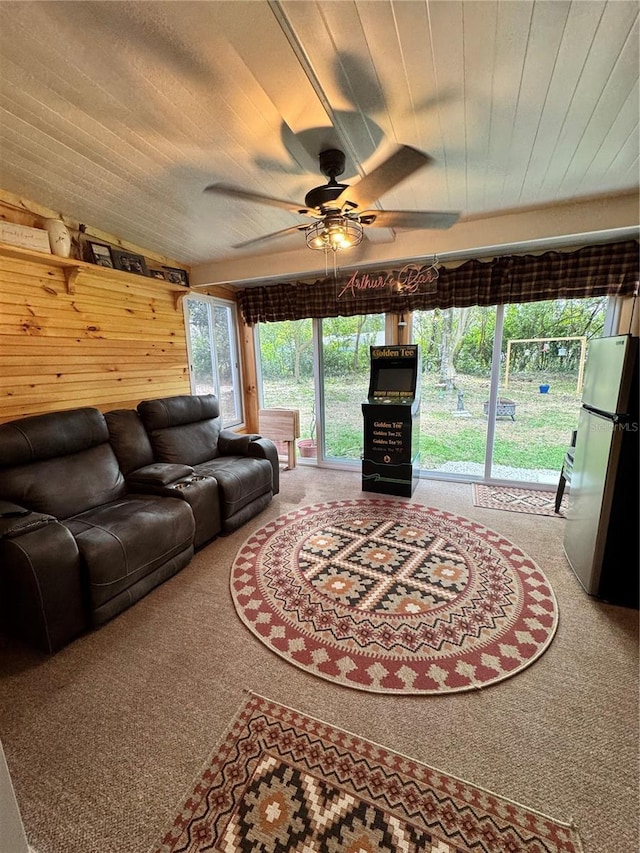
<point x="607" y="269"/>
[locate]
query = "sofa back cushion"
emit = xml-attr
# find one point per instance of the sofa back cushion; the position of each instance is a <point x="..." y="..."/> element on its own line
<point x="60" y="463"/>
<point x="183" y="429"/>
<point x="129" y="440"/>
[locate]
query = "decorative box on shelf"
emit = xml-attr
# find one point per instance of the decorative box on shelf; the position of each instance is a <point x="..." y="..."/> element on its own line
<point x="24" y="236"/>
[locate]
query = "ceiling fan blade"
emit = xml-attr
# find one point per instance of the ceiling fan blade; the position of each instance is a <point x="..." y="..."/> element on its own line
<point x="245" y="195"/>
<point x="274" y="235"/>
<point x="409" y="218"/>
<point x="400" y="165"/>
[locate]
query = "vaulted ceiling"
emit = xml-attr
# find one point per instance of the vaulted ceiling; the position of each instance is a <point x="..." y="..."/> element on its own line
<point x="119" y="114"/>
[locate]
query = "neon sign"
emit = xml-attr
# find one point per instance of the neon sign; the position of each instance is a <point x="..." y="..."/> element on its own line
<point x="412" y="278"/>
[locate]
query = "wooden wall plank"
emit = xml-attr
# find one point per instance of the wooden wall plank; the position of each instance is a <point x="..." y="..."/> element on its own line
<point x="14" y="381"/>
<point x="99" y="346"/>
<point x="110" y="344"/>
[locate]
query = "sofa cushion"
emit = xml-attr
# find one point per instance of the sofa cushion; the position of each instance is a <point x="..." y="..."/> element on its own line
<point x="140" y="588"/>
<point x="241" y="480"/>
<point x="66" y="485"/>
<point x="188" y="444"/>
<point x="174" y="411"/>
<point x="125" y="540"/>
<point x="53" y="434"/>
<point x="60" y="463"/>
<point x="129" y="439"/>
<point x="184" y="428"/>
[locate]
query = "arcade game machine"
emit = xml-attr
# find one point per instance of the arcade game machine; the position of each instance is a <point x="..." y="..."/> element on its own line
<point x="392" y="421"/>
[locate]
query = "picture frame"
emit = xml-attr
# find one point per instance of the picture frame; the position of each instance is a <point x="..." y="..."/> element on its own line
<point x="129" y="262"/>
<point x="100" y="254"/>
<point x="176" y="276"/>
<point x="159" y="274"/>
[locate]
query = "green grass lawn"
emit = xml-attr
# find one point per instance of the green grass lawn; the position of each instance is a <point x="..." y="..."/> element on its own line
<point x="536" y="439"/>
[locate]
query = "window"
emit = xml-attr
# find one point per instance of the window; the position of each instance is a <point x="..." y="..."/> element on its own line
<point x="212" y="344"/>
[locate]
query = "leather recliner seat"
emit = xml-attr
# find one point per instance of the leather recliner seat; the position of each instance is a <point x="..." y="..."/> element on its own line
<point x="77" y="546"/>
<point x="135" y="457"/>
<point x="188" y="430"/>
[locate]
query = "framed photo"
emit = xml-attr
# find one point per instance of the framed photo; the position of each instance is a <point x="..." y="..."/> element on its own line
<point x="176" y="276"/>
<point x="100" y="254"/>
<point x="129" y="262"/>
<point x="161" y="274"/>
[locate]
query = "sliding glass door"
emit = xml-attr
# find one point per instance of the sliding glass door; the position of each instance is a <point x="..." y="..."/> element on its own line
<point x="501" y="386"/>
<point x="543" y="353"/>
<point x="457" y="353"/>
<point x="344" y="381"/>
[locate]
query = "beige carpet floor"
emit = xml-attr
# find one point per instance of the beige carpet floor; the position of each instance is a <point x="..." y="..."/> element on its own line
<point x="104" y="738"/>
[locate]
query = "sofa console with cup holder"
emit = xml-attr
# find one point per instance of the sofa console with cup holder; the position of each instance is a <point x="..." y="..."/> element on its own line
<point x="96" y="510"/>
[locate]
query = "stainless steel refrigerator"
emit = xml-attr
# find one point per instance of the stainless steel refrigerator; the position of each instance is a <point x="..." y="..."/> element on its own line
<point x="601" y="535"/>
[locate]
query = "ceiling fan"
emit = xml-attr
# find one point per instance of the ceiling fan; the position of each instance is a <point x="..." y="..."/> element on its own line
<point x="341" y="211"/>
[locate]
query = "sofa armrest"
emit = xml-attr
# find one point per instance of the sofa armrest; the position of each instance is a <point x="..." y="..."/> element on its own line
<point x="232" y="443"/>
<point x="264" y="448"/>
<point x="158" y="474"/>
<point x="41" y="590"/>
<point x="16" y="520"/>
<point x="10" y="510"/>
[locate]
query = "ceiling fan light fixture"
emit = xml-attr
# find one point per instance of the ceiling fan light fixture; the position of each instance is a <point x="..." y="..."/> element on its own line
<point x="341" y="211"/>
<point x="333" y="233"/>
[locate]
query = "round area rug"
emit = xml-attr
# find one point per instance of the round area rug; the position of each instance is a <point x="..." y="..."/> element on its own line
<point x="393" y="597"/>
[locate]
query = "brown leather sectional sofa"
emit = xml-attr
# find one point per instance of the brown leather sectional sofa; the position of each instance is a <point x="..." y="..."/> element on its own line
<point x="96" y="510"/>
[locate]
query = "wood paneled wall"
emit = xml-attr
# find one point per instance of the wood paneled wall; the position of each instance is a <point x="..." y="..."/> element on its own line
<point x="116" y="340"/>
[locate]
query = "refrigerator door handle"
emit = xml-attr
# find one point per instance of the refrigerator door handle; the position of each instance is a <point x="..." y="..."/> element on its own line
<point x="614" y="417"/>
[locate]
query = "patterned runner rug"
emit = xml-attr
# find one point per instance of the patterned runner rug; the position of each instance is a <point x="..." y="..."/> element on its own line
<point x="283" y="782"/>
<point x="393" y="597"/>
<point x="515" y="499"/>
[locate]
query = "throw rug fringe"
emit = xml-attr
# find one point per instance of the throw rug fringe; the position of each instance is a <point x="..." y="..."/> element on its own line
<point x="282" y="781"/>
<point x="393" y="597"/>
<point x="514" y="499"/>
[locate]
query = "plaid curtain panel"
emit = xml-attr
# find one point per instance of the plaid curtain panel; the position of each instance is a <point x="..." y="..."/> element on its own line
<point x="609" y="269"/>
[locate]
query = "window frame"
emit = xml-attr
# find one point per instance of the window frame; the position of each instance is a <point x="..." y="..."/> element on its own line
<point x="234" y="340"/>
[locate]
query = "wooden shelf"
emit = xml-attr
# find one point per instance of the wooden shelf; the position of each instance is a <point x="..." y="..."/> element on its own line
<point x="72" y="268"/>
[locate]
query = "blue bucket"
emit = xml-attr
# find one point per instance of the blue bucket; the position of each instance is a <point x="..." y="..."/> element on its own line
<point x="544" y="389"/>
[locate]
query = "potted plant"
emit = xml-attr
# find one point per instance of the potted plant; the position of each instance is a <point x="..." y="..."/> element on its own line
<point x="307" y="446"/>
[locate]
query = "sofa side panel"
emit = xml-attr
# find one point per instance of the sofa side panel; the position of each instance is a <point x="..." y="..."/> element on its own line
<point x="264" y="448"/>
<point x="42" y="595"/>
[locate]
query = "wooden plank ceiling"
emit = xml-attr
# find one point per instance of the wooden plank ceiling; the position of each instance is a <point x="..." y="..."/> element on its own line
<point x="120" y="113"/>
